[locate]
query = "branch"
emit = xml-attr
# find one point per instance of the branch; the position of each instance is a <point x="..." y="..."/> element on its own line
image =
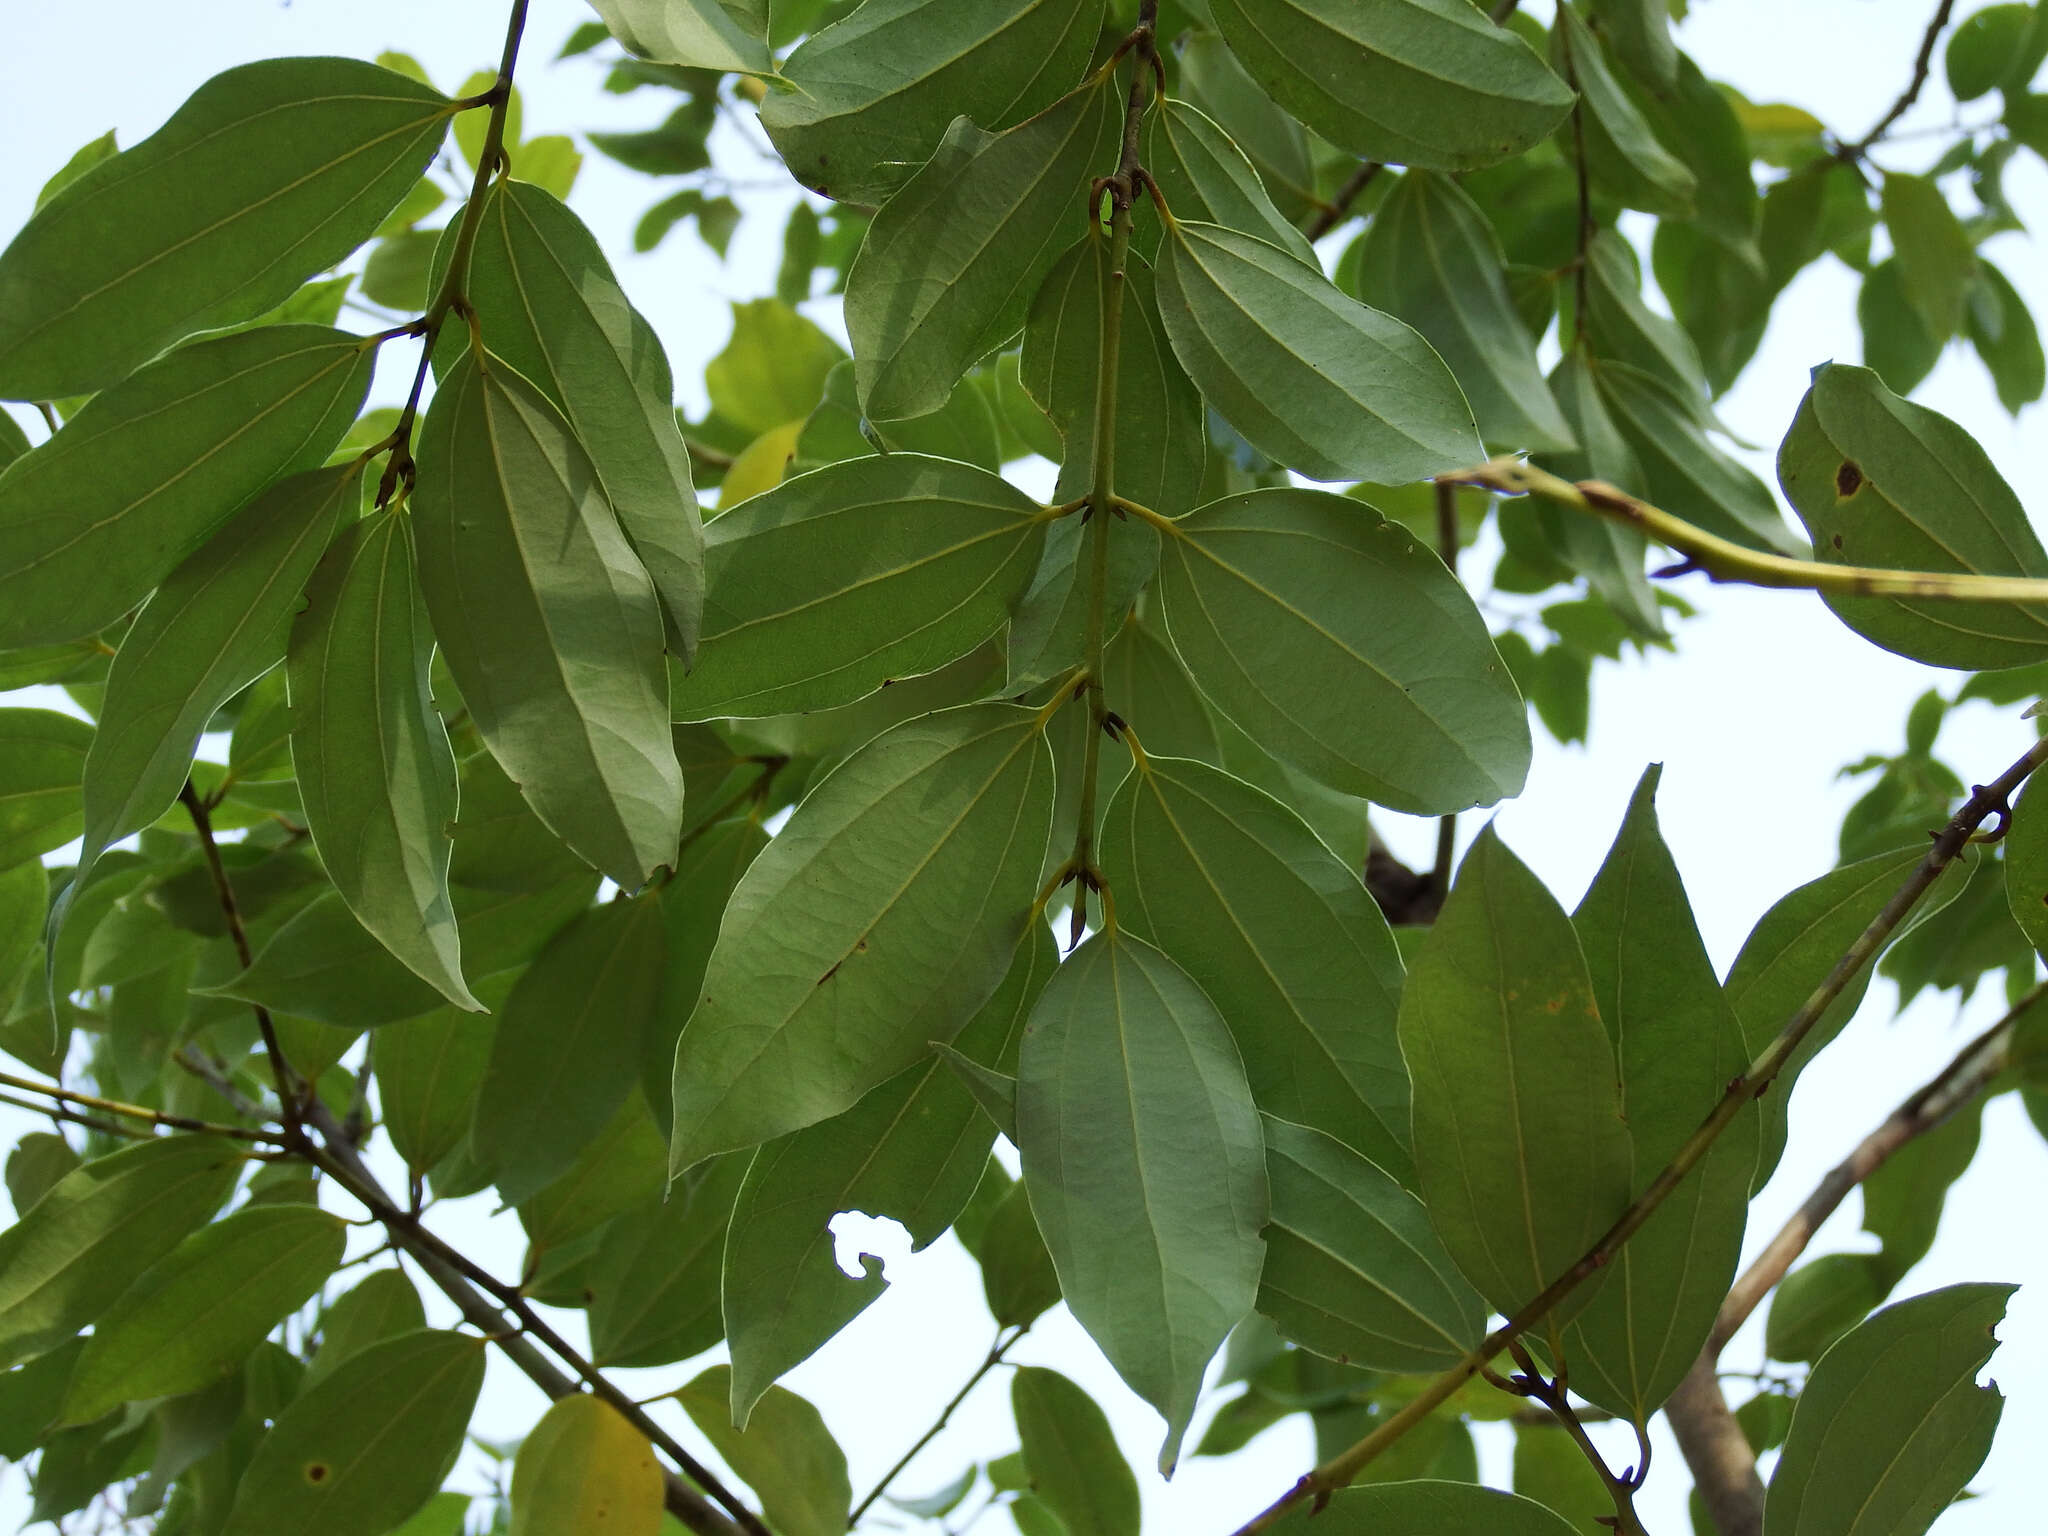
<point x="1988" y="800"/>
<point x="1621" y="1486"/>
<point x="1717" y="1451"/>
<point x="1723" y="560"/>
<point x="1447" y="547"/>
<point x="134" y="1111"/>
<point x="989" y="1362"/>
<point x="1911" y="94"/>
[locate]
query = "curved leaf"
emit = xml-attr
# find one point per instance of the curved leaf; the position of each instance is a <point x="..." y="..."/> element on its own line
<point x="786" y="1455"/>
<point x="1075" y="1465"/>
<point x="1340" y="643"/>
<point x="547" y="619"/>
<point x="269" y="173"/>
<point x="1143" y="1157"/>
<point x="1202" y="175"/>
<point x="1622" y="152"/>
<point x="697" y="34"/>
<point x="584" y="1468"/>
<point x="42" y="759"/>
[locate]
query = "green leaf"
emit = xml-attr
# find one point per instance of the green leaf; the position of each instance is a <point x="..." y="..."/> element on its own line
<point x="1203" y="175"/>
<point x="1282" y="937"/>
<point x="374" y="769"/>
<point x="1552" y="1471"/>
<point x="1523" y="1154"/>
<point x="1639" y="31"/>
<point x="398" y="272"/>
<point x="1143" y="1157"/>
<point x="1897" y="345"/>
<point x="1891" y="1424"/>
<point x="1880" y="481"/>
<point x="693" y="903"/>
<point x="1017" y="1277"/>
<point x="218" y="621"/>
<point x="194" y="1317"/>
<point x="1353" y="1269"/>
<point x="1312" y="378"/>
<point x="620" y="1167"/>
<point x="1622" y="328"/>
<point x="1935" y="257"/>
<point x="547" y="299"/>
<point x="369" y="1444"/>
<point x="964" y="428"/>
<point x="1215" y="84"/>
<point x="1622" y="153"/>
<point x="2026" y="867"/>
<point x="1819" y="1302"/>
<point x="269" y="173"/>
<point x="557" y="1073"/>
<point x="39" y="1159"/>
<point x="862" y="103"/>
<point x="88" y="155"/>
<point x="880" y="918"/>
<point x="93" y="518"/>
<point x="950" y="264"/>
<point x="773" y="369"/>
<point x="70" y="1258"/>
<point x="850" y="577"/>
<point x="697" y="34"/>
<point x="547" y="619"/>
<point x="1424" y="1507"/>
<point x="1076" y="1467"/>
<point x="1430" y="83"/>
<point x="911" y="1150"/>
<point x="655" y="1282"/>
<point x="1430" y="258"/>
<point x="585" y="1468"/>
<point x="1341" y="644"/>
<point x="381" y="1306"/>
<point x="30" y="1396"/>
<point x="2011" y="349"/>
<point x="42" y="758"/>
<point x="1678" y="1045"/>
<point x="1607" y="554"/>
<point x="785" y="1454"/>
<point x="428" y="1071"/>
<point x="2000" y="46"/>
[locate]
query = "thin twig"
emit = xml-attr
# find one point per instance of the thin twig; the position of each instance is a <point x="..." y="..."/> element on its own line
<point x="1921" y="64"/>
<point x="1447" y="542"/>
<point x="1621" y="1487"/>
<point x="1334" y="212"/>
<point x="136" y="1111"/>
<point x="73" y="1117"/>
<point x="1988" y="800"/>
<point x="989" y="1362"/>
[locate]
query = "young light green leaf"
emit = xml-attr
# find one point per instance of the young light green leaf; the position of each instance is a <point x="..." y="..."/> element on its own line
<point x="861" y="104"/>
<point x="773" y="369"/>
<point x="1891" y="1424"/>
<point x="1935" y="256"/>
<point x="911" y="1150"/>
<point x="1353" y="1269"/>
<point x="1203" y="175"/>
<point x="381" y="1306"/>
<point x="697" y="34"/>
<point x="1881" y="481"/>
<point x="880" y="918"/>
<point x="369" y="1444"/>
<point x="1311" y="377"/>
<point x="1622" y="152"/>
<point x="1282" y="937"/>
<point x="786" y="1455"/>
<point x="1283" y="604"/>
<point x="949" y="266"/>
<point x="547" y="619"/>
<point x="218" y="621"/>
<point x="1430" y="83"/>
<point x="1430" y="258"/>
<point x="1143" y="1157"/>
<point x="655" y="1282"/>
<point x="42" y="759"/>
<point x="375" y="773"/>
<point x="196" y="1315"/>
<point x="840" y="581"/>
<point x="547" y="299"/>
<point x="71" y="1257"/>
<point x="1678" y="1044"/>
<point x="93" y="518"/>
<point x="1075" y="1464"/>
<point x="269" y="173"/>
<point x="584" y="1468"/>
<point x="1523" y="1155"/>
<point x="561" y="1060"/>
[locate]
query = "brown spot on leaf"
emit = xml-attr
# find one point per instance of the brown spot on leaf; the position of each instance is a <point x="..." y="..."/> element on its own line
<point x="316" y="1471"/>
<point x="1836" y="541"/>
<point x="1848" y="479"/>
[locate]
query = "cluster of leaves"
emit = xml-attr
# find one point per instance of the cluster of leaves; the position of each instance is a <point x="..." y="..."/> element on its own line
<point x="498" y="735"/>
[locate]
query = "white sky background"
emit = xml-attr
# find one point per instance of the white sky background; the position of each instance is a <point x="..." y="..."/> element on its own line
<point x="1767" y="698"/>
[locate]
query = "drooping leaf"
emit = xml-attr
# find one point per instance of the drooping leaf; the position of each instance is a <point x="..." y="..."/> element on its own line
<point x="1607" y="554"/>
<point x="1519" y="1141"/>
<point x="1283" y="604"/>
<point x="584" y="1468"/>
<point x="1891" y="1424"/>
<point x="853" y="576"/>
<point x="948" y="267"/>
<point x="42" y="759"/>
<point x="197" y="1314"/>
<point x="1622" y="152"/>
<point x="1353" y="1269"/>
<point x="1880" y="481"/>
<point x="785" y="1454"/>
<point x="1075" y="1465"/>
<point x="1282" y="937"/>
<point x="655" y="1282"/>
<point x="269" y="173"/>
<point x="70" y="1258"/>
<point x="1203" y="175"/>
<point x="374" y="769"/>
<point x="1143" y="1157"/>
<point x="697" y="34"/>
<point x="1312" y="378"/>
<point x="1430" y="83"/>
<point x="37" y="1161"/>
<point x="868" y="98"/>
<point x="1621" y="327"/>
<point x="564" y="1055"/>
<point x="879" y="919"/>
<point x="93" y="518"/>
<point x="547" y="619"/>
<point x="911" y="1151"/>
<point x="2011" y="349"/>
<point x="551" y="307"/>
<point x="369" y="1444"/>
<point x="1678" y="1044"/>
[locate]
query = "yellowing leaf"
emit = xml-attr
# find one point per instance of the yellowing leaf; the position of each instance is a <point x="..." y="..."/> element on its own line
<point x="583" y="1468"/>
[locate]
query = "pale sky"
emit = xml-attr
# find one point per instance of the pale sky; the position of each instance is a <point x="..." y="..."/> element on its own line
<point x="1767" y="698"/>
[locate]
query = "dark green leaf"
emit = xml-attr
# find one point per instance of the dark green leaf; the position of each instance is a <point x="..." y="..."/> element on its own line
<point x="1076" y="1467"/>
<point x="38" y="1160"/>
<point x="381" y="1306"/>
<point x="2010" y="348"/>
<point x="784" y="1453"/>
<point x="622" y="1166"/>
<point x="655" y="1281"/>
<point x="1203" y="175"/>
<point x="1423" y="1507"/>
<point x="42" y="758"/>
<point x="428" y="1071"/>
<point x="1897" y="345"/>
<point x="397" y="272"/>
<point x="693" y="902"/>
<point x="1622" y="152"/>
<point x="1017" y="1276"/>
<point x="1935" y="257"/>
